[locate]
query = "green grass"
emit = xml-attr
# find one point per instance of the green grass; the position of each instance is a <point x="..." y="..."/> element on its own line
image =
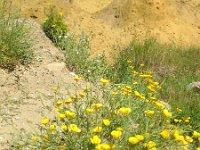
<point x="15" y="43"/>
<point x="174" y="67"/>
<point x="76" y="49"/>
<point x="175" y="92"/>
<point x="54" y="26"/>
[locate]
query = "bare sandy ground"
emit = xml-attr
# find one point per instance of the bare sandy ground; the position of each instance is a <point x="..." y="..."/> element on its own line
<point x="112" y="24"/>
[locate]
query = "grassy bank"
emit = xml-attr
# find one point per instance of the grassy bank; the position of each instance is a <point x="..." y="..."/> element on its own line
<point x="175" y="68"/>
<point x="126" y="109"/>
<point x="15" y="43"/>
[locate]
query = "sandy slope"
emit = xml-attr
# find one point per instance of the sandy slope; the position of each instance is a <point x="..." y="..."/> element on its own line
<point x="26" y="93"/>
<point x="114" y="23"/>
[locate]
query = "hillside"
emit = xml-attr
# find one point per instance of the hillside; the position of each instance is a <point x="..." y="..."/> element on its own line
<point x="113" y="24"/>
<point x="143" y="96"/>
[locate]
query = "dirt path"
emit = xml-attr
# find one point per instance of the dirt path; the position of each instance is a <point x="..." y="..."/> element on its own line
<point x="112" y="24"/>
<point x="26" y="93"/>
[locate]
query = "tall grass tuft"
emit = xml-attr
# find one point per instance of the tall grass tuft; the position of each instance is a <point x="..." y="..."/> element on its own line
<point x="175" y="67"/>
<point x="15" y="43"/>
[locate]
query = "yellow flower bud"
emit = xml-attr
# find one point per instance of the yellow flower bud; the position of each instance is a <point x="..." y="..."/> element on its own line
<point x="166" y="113"/>
<point x="104" y="81"/>
<point x="64" y="127"/>
<point x="52" y="127"/>
<point x="149" y="113"/>
<point x="89" y="110"/>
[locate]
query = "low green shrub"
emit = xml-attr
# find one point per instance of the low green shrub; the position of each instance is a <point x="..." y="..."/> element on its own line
<point x="54" y="26"/>
<point x="76" y="50"/>
<point x="15" y="43"/>
<point x="78" y="58"/>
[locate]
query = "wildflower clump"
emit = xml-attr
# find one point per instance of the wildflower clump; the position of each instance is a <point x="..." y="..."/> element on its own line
<point x="54" y="26"/>
<point x="110" y="117"/>
<point x="15" y="40"/>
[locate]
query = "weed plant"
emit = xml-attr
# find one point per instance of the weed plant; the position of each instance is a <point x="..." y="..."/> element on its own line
<point x="54" y="26"/>
<point x="15" y="43"/>
<point x="76" y="50"/>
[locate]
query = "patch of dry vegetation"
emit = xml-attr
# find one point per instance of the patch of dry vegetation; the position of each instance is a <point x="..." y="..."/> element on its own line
<point x="15" y="42"/>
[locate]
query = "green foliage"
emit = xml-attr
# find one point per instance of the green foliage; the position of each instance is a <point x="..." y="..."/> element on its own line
<point x="78" y="58"/>
<point x="175" y="68"/>
<point x="164" y="59"/>
<point x="174" y="89"/>
<point x="76" y="50"/>
<point x="14" y="40"/>
<point x="54" y="26"/>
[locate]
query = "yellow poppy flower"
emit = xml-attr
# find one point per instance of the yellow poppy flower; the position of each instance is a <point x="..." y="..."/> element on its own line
<point x="106" y="122"/>
<point x="45" y="121"/>
<point x="133" y="140"/>
<point x="116" y="134"/>
<point x="165" y="134"/>
<point x="124" y="111"/>
<point x="95" y="140"/>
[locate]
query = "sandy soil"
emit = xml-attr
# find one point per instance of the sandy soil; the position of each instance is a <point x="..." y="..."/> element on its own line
<point x="26" y="94"/>
<point x="112" y="24"/>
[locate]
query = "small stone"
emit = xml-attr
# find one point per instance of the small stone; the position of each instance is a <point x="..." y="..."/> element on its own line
<point x="1" y="139"/>
<point x="194" y="86"/>
<point x="17" y="118"/>
<point x="72" y="74"/>
<point x="56" y="66"/>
